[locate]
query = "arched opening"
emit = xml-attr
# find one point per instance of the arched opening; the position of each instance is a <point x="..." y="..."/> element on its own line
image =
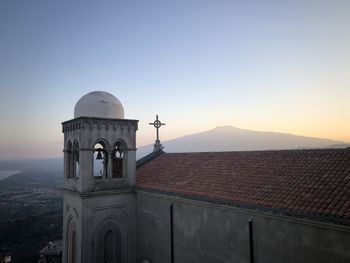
<point x="118" y="160"/>
<point x="69" y="160"/>
<point x="76" y="162"/>
<point x="100" y="161"/>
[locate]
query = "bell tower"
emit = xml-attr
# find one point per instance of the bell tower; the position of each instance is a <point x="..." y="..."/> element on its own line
<point x="99" y="209"/>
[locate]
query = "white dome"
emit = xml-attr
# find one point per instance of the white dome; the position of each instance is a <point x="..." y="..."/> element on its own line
<point x="99" y="104"/>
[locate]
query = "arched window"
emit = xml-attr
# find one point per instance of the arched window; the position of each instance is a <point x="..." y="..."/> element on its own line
<point x="108" y="248"/>
<point x="110" y="245"/>
<point x="74" y="245"/>
<point x="69" y="160"/>
<point x="76" y="163"/>
<point x="117" y="160"/>
<point x="100" y="160"/>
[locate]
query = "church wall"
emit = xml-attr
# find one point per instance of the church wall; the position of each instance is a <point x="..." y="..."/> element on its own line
<point x="298" y="241"/>
<point x="92" y="211"/>
<point x="72" y="210"/>
<point x="153" y="228"/>
<point x="209" y="233"/>
<point x="118" y="208"/>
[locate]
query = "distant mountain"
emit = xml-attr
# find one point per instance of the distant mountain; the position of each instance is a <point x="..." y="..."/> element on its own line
<point x="228" y="138"/>
<point x="53" y="164"/>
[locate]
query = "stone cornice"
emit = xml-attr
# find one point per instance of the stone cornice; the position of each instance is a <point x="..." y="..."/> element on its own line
<point x="83" y="123"/>
<point x="99" y="193"/>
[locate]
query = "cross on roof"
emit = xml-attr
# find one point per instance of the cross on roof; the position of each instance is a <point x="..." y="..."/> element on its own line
<point x="157" y="124"/>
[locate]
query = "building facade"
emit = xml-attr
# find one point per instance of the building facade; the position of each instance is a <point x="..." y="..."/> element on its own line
<point x="267" y="206"/>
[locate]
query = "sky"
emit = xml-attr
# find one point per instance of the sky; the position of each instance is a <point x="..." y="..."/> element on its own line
<point x="264" y="65"/>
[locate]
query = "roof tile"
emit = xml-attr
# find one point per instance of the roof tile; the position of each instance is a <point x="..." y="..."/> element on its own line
<point x="300" y="181"/>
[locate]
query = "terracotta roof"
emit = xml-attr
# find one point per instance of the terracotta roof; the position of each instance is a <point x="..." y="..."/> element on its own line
<point x="310" y="183"/>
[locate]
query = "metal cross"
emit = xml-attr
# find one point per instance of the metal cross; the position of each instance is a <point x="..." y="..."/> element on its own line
<point x="157" y="124"/>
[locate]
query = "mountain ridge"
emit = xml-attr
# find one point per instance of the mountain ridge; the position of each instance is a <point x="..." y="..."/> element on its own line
<point x="229" y="138"/>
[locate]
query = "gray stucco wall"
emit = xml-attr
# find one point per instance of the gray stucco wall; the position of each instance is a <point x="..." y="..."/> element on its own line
<point x="209" y="233"/>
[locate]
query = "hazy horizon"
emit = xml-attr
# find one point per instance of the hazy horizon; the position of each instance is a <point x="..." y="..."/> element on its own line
<point x="277" y="66"/>
<point x="149" y="146"/>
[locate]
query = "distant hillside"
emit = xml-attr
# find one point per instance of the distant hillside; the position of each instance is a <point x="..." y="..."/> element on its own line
<point x="228" y="138"/>
<point x="53" y="164"/>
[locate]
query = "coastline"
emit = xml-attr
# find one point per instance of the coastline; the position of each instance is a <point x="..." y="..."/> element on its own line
<point x="7" y="173"/>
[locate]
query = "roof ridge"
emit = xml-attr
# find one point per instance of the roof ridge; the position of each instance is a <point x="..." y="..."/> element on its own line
<point x="269" y="151"/>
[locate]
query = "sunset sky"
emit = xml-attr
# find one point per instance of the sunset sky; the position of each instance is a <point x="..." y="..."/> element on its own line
<point x="264" y="65"/>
